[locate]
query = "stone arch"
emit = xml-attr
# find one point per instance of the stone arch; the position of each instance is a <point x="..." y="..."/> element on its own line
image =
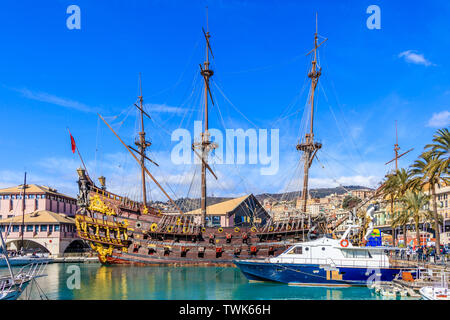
<point x="29" y="245"/>
<point x="77" y="246"/>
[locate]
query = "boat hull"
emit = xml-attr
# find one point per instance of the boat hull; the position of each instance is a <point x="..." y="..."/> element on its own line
<point x="314" y="274"/>
<point x="23" y="261"/>
<point x="121" y="231"/>
<point x="118" y="257"/>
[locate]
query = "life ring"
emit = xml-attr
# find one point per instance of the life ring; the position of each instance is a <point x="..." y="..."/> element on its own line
<point x="220" y="230"/>
<point x="271" y="228"/>
<point x="203" y="229"/>
<point x="169" y="229"/>
<point x="253" y="229"/>
<point x="153" y="227"/>
<point x="185" y="229"/>
<point x="237" y="229"/>
<point x="344" y="243"/>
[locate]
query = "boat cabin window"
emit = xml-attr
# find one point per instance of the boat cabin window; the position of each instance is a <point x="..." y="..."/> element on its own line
<point x="357" y="254"/>
<point x="296" y="250"/>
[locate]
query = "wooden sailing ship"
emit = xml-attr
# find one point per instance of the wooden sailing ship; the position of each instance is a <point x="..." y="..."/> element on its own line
<point x="124" y="231"/>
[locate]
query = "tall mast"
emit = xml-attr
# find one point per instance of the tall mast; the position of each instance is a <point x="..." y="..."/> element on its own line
<point x="23" y="210"/>
<point x="308" y="146"/>
<point x="396" y="149"/>
<point x="142" y="144"/>
<point x="205" y="145"/>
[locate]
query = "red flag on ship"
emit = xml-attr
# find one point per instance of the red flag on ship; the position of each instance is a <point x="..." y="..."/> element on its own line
<point x="72" y="143"/>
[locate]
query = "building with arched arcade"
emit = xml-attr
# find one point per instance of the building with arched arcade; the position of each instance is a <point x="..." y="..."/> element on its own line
<point x="43" y="231"/>
<point x="37" y="198"/>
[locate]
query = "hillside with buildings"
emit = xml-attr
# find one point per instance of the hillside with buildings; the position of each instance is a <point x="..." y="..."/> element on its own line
<point x="187" y="204"/>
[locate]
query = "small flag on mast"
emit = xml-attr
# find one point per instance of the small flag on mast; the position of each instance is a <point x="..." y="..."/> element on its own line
<point x="72" y="143"/>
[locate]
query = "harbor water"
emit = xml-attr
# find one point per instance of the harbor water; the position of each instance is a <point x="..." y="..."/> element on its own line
<point x="92" y="281"/>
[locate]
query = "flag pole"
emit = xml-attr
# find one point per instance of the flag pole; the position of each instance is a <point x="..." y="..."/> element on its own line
<point x="78" y="151"/>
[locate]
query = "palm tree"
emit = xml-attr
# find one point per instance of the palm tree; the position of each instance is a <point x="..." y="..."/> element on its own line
<point x="394" y="188"/>
<point x="414" y="205"/>
<point x="401" y="219"/>
<point x="389" y="190"/>
<point x="428" y="172"/>
<point x="403" y="176"/>
<point x="441" y="148"/>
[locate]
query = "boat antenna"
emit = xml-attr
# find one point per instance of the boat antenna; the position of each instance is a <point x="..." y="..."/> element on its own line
<point x="308" y="145"/>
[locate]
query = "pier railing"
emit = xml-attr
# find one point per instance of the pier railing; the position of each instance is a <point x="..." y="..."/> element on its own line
<point x="442" y="260"/>
<point x="368" y="263"/>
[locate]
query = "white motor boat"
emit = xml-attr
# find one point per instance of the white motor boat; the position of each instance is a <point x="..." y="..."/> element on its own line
<point x="24" y="260"/>
<point x="435" y="293"/>
<point x="440" y="292"/>
<point x="11" y="287"/>
<point x="14" y="284"/>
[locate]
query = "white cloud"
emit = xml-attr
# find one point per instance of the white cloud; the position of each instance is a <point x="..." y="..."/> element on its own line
<point x="439" y="119"/>
<point x="163" y="108"/>
<point x="411" y="56"/>
<point x="52" y="99"/>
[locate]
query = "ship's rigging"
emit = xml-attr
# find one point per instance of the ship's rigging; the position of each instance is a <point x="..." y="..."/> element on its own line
<point x="396" y="150"/>
<point x="308" y="145"/>
<point x="205" y="145"/>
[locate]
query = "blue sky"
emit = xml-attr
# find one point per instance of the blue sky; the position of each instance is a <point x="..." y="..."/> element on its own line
<point x="53" y="78"/>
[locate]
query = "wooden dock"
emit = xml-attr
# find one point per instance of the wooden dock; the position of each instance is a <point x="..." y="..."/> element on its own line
<point x="79" y="259"/>
<point x="430" y="275"/>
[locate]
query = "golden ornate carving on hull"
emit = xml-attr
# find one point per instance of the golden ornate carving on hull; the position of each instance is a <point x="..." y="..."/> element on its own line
<point x="102" y="251"/>
<point x="96" y="204"/>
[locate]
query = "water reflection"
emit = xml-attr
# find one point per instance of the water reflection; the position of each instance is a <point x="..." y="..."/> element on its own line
<point x="175" y="283"/>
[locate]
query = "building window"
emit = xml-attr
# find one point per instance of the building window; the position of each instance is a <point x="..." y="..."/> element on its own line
<point x="15" y="228"/>
<point x="43" y="228"/>
<point x="36" y="228"/>
<point x="57" y="228"/>
<point x="50" y="228"/>
<point x="29" y="228"/>
<point x="216" y="221"/>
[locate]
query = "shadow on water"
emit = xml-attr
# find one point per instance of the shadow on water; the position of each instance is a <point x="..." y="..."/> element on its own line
<point x="176" y="283"/>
